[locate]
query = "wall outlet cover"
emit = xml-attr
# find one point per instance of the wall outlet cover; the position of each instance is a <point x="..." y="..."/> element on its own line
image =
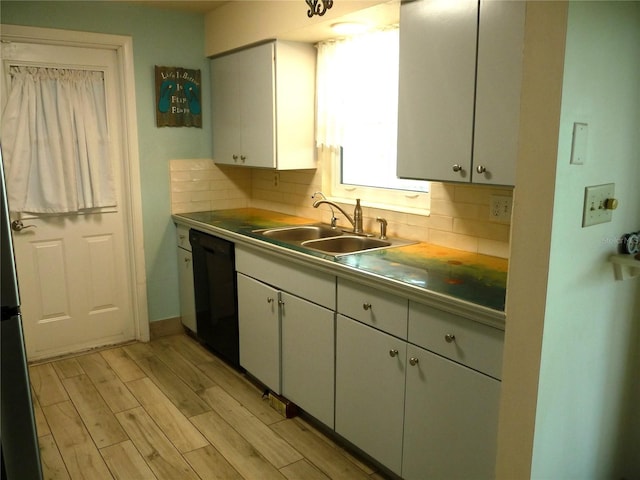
<point x="500" y="208"/>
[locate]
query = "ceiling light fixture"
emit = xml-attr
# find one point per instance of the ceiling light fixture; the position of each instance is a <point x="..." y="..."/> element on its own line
<point x="318" y="7"/>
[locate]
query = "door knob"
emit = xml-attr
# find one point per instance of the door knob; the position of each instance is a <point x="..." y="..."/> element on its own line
<point x="413" y="361"/>
<point x="393" y="352"/>
<point x="18" y="226"/>
<point x="481" y="169"/>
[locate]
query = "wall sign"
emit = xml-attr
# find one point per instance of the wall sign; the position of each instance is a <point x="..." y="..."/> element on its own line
<point x="178" y="97"/>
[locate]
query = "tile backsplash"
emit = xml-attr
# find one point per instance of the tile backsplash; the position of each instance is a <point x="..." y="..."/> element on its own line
<point x="459" y="213"/>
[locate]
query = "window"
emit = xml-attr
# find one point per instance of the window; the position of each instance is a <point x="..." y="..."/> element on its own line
<point x="357" y="88"/>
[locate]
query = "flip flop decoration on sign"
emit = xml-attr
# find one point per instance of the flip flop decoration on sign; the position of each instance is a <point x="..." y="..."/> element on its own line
<point x="178" y="97"/>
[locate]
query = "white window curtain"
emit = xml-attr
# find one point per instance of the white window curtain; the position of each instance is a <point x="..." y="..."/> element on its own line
<point x="357" y="86"/>
<point x="357" y="109"/>
<point x="55" y="141"/>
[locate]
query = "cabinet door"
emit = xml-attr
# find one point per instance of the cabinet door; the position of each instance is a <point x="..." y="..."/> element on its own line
<point x="259" y="329"/>
<point x="257" y="106"/>
<point x="451" y="419"/>
<point x="500" y="44"/>
<point x="308" y="358"/>
<point x="370" y="370"/>
<point x="187" y="298"/>
<point x="436" y="89"/>
<point x="225" y="95"/>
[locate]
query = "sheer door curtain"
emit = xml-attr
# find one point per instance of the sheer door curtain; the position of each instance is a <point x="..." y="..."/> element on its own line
<point x="55" y="141"/>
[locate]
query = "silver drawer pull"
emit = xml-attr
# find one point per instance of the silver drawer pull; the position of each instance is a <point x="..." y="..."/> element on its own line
<point x="413" y="361"/>
<point x="269" y="300"/>
<point x="366" y="306"/>
<point x="393" y="352"/>
<point x="449" y="338"/>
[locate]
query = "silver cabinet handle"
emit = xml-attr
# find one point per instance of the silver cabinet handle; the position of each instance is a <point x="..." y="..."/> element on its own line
<point x="243" y="158"/>
<point x="449" y="338"/>
<point x="187" y="260"/>
<point x="366" y="306"/>
<point x="18" y="226"/>
<point x="413" y="361"/>
<point x="235" y="157"/>
<point x="280" y="302"/>
<point x="269" y="300"/>
<point x="481" y="169"/>
<point x="393" y="352"/>
<point x="457" y="168"/>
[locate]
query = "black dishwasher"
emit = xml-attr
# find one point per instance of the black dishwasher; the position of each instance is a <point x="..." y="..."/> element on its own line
<point x="216" y="298"/>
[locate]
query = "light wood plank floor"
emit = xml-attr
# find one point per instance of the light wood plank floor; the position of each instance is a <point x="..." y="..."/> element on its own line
<point x="169" y="409"/>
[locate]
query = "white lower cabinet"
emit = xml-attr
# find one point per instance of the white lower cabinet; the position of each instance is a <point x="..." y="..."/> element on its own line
<point x="423" y="413"/>
<point x="185" y="279"/>
<point x="286" y="316"/>
<point x="259" y="330"/>
<point x="308" y="356"/>
<point x="370" y="376"/>
<point x="414" y="387"/>
<point x="187" y="295"/>
<point x="450" y="419"/>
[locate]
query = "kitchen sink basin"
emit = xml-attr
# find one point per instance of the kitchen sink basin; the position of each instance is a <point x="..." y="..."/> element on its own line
<point x="330" y="241"/>
<point x="345" y="244"/>
<point x="300" y="233"/>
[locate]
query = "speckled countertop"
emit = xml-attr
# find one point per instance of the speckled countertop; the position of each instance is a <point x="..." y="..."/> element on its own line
<point x="469" y="283"/>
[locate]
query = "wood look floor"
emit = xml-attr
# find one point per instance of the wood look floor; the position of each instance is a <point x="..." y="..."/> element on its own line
<point x="169" y="409"/>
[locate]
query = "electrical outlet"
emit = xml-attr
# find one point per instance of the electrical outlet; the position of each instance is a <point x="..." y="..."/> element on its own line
<point x="599" y="203"/>
<point x="500" y="208"/>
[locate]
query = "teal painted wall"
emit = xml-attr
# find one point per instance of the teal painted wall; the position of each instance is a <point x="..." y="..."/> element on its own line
<point x="588" y="414"/>
<point x="160" y="37"/>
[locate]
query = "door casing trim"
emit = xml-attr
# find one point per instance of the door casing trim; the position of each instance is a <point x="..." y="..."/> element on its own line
<point x="123" y="46"/>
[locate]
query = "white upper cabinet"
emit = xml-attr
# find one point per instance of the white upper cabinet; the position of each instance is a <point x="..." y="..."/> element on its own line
<point x="263" y="106"/>
<point x="459" y="90"/>
<point x="436" y="88"/>
<point x="499" y="78"/>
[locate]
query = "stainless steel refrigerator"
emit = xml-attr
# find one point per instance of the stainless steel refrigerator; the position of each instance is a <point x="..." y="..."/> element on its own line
<point x="18" y="439"/>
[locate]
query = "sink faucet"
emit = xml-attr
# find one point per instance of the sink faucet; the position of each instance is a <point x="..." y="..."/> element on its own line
<point x="355" y="221"/>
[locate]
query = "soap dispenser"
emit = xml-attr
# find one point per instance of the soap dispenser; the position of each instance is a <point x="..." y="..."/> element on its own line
<point x="357" y="218"/>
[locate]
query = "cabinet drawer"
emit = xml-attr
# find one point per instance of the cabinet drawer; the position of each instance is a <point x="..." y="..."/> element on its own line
<point x="467" y="342"/>
<point x="182" y="237"/>
<point x="310" y="284"/>
<point x="384" y="311"/>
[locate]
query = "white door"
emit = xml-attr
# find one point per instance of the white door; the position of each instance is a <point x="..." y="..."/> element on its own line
<point x="73" y="271"/>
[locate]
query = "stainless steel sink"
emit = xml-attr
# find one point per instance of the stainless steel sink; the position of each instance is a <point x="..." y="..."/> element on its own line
<point x="330" y="241"/>
<point x="300" y="233"/>
<point x="346" y="244"/>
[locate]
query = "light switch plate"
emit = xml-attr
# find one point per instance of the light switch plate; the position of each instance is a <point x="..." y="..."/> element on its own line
<point x="579" y="144"/>
<point x="594" y="211"/>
